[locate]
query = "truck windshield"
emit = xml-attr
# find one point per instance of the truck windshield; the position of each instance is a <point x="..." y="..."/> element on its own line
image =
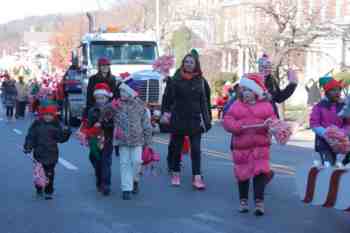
<point x="124" y="52"/>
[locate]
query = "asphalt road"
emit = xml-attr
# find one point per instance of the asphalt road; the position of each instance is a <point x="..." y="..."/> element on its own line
<point x="159" y="208"/>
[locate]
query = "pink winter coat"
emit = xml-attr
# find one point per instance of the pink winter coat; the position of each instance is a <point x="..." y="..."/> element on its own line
<point x="251" y="147"/>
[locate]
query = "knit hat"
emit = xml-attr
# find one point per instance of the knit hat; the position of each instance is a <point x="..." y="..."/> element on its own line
<point x="103" y="61"/>
<point x="195" y="54"/>
<point x="323" y="80"/>
<point x="103" y="89"/>
<point x="332" y="84"/>
<point x="254" y="82"/>
<point x="130" y="86"/>
<point x="48" y="107"/>
<point x="264" y="63"/>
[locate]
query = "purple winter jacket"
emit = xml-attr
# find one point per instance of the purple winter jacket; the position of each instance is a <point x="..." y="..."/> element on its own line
<point x="324" y="114"/>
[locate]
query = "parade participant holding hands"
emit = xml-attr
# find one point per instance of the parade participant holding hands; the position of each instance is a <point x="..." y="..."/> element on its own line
<point x="187" y="108"/>
<point x="247" y="119"/>
<point x="98" y="130"/>
<point x="132" y="132"/>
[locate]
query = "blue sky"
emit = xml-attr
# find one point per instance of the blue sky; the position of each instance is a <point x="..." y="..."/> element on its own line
<point x="18" y="9"/>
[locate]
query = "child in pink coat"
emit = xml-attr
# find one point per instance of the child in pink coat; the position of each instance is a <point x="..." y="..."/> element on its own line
<point x="247" y="120"/>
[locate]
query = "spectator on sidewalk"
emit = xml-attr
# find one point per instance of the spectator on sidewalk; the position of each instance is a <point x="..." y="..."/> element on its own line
<point x="10" y="95"/>
<point x="22" y="97"/>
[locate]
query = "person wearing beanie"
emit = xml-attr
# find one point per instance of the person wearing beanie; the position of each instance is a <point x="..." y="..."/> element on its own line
<point x="42" y="138"/>
<point x="326" y="113"/>
<point x="98" y="129"/>
<point x="277" y="94"/>
<point x="103" y="75"/>
<point x="132" y="132"/>
<point x="247" y="121"/>
<point x="187" y="108"/>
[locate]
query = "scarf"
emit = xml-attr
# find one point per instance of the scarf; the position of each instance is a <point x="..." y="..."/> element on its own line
<point x="188" y="75"/>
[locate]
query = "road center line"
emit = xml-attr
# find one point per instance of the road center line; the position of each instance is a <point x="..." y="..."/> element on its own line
<point x="67" y="164"/>
<point x="226" y="156"/>
<point x="17" y="131"/>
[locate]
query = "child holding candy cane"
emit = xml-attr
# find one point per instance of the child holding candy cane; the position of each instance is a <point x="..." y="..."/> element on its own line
<point x="248" y="119"/>
<point x="43" y="136"/>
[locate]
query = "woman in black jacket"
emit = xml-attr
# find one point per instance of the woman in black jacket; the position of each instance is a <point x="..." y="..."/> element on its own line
<point x="188" y="105"/>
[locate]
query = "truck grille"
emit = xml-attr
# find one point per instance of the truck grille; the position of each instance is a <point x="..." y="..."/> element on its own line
<point x="149" y="90"/>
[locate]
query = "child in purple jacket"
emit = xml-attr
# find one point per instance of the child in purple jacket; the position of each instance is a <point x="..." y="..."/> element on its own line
<point x="325" y="114"/>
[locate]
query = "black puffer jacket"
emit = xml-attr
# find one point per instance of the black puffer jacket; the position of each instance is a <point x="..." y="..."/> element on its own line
<point x="187" y="100"/>
<point x="43" y="137"/>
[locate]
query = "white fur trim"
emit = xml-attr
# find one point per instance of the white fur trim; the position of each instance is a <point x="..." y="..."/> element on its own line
<point x="252" y="85"/>
<point x="102" y="92"/>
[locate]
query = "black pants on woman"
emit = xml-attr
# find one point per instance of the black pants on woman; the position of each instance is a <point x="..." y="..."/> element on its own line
<point x="177" y="143"/>
<point x="259" y="183"/>
<point x="9" y="111"/>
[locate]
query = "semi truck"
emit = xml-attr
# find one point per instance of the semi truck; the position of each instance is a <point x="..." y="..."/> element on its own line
<point x="129" y="53"/>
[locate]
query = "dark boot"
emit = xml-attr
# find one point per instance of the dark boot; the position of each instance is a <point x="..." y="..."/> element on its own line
<point x="136" y="188"/>
<point x="39" y="192"/>
<point x="126" y="195"/>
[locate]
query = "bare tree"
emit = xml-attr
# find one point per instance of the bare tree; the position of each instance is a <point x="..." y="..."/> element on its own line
<point x="290" y="29"/>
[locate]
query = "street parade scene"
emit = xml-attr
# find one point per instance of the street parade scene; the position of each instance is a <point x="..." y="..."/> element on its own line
<point x="171" y="116"/>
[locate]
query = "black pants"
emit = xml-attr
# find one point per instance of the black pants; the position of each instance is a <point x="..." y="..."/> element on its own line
<point x="50" y="174"/>
<point x="178" y="141"/>
<point x="170" y="157"/>
<point x="9" y="111"/>
<point x="20" y="108"/>
<point x="329" y="156"/>
<point x="103" y="166"/>
<point x="259" y="182"/>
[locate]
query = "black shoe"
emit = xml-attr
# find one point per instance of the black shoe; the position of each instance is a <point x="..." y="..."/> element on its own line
<point x="106" y="192"/>
<point x="126" y="195"/>
<point x="48" y="196"/>
<point x="39" y="192"/>
<point x="136" y="188"/>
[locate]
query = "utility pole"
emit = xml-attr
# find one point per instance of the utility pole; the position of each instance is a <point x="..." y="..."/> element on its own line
<point x="158" y="21"/>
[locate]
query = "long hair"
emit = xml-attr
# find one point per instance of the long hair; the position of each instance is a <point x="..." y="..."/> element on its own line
<point x="197" y="68"/>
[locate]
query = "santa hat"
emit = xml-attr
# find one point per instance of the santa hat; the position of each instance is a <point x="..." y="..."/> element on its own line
<point x="254" y="82"/>
<point x="103" y="61"/>
<point x="103" y="89"/>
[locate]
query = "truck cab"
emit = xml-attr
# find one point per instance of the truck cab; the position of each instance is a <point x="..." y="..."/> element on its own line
<point x="129" y="53"/>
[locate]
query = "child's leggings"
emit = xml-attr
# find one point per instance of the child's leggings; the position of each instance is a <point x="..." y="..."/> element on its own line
<point x="50" y="174"/>
<point x="259" y="183"/>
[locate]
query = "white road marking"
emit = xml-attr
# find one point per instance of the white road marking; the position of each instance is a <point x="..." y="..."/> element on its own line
<point x="17" y="131"/>
<point x="67" y="164"/>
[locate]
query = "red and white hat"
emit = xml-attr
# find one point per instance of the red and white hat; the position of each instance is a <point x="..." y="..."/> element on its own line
<point x="254" y="82"/>
<point x="103" y="89"/>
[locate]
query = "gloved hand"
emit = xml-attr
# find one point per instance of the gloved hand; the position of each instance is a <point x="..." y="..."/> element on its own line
<point x="292" y="76"/>
<point x="165" y="118"/>
<point x="116" y="103"/>
<point x="118" y="133"/>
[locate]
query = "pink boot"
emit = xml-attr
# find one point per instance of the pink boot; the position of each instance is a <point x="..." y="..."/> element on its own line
<point x="175" y="179"/>
<point x="198" y="182"/>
